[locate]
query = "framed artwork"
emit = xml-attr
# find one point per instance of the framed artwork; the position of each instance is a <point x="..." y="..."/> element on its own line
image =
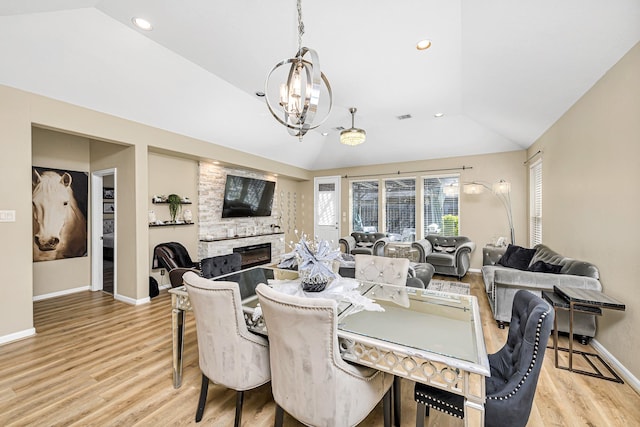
<point x="108" y="207"/>
<point x="61" y="196"/>
<point x="108" y="193"/>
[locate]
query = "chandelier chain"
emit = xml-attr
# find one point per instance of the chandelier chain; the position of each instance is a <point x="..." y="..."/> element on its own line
<point x="300" y="26"/>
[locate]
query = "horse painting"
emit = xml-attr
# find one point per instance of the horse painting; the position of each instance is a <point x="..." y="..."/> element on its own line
<point x="59" y="224"/>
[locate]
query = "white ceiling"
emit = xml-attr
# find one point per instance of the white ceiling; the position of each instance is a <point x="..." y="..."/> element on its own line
<point x="501" y="71"/>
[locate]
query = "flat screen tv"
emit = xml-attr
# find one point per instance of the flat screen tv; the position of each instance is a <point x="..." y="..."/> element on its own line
<point x="246" y="197"/>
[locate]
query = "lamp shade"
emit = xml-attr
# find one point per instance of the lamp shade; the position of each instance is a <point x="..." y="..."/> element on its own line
<point x="472" y="188"/>
<point x="502" y="187"/>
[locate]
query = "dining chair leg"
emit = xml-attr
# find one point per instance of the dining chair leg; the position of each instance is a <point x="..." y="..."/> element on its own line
<point x="397" y="400"/>
<point x="239" y="400"/>
<point x="421" y="413"/>
<point x="386" y="405"/>
<point x="279" y="416"/>
<point x="204" y="388"/>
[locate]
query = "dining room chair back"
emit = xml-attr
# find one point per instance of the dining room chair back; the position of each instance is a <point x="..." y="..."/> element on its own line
<point x="310" y="380"/>
<point x="229" y="354"/>
<point x="221" y="264"/>
<point x="515" y="369"/>
<point x="371" y="268"/>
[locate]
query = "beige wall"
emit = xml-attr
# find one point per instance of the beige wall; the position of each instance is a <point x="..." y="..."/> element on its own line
<point x="68" y="152"/>
<point x="106" y="155"/>
<point x="172" y="175"/>
<point x="482" y="217"/>
<point x="591" y="204"/>
<point x="16" y="309"/>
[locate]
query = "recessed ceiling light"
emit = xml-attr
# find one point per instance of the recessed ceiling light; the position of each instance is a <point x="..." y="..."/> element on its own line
<point x="259" y="93"/>
<point x="438" y="115"/>
<point x="325" y="133"/>
<point x="143" y="24"/>
<point x="423" y="44"/>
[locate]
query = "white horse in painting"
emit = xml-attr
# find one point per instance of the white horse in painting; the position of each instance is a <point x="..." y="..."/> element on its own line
<point x="59" y="227"/>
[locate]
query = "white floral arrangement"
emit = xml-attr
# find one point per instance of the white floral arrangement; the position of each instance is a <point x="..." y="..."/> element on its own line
<point x="314" y="257"/>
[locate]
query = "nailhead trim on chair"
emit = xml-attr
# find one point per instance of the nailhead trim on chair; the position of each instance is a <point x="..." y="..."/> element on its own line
<point x="441" y="402"/>
<point x="533" y="362"/>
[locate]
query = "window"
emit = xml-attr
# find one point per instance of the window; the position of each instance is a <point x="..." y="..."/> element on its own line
<point x="535" y="203"/>
<point x="326" y="204"/>
<point x="400" y="208"/>
<point x="364" y="205"/>
<point x="441" y="214"/>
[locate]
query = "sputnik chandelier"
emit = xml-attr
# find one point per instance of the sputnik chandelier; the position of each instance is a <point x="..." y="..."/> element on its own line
<point x="300" y="94"/>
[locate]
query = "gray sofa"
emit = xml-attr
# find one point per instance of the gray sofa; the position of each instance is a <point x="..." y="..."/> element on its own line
<point x="359" y="243"/>
<point x="502" y="283"/>
<point x="448" y="255"/>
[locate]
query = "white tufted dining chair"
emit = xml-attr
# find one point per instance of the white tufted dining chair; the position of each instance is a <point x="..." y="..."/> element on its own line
<point x="371" y="268"/>
<point x="310" y="380"/>
<point x="229" y="354"/>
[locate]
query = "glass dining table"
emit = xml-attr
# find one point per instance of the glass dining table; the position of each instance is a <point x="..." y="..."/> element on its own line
<point x="434" y="338"/>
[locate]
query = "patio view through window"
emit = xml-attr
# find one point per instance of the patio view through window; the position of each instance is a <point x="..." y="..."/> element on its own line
<point x="441" y="213"/>
<point x="402" y="201"/>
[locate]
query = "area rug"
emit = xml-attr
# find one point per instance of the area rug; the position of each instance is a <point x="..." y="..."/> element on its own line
<point x="445" y="286"/>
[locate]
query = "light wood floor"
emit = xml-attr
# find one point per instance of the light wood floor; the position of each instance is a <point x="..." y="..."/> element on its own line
<point x="99" y="362"/>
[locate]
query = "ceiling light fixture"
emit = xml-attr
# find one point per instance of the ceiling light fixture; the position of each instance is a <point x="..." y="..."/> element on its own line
<point x="423" y="44"/>
<point x="438" y="115"/>
<point x="300" y="95"/>
<point x="141" y="23"/>
<point x="353" y="136"/>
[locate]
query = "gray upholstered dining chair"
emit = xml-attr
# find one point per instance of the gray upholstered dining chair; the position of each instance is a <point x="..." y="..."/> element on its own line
<point x="371" y="268"/>
<point x="514" y="369"/>
<point x="229" y="354"/>
<point x="310" y="380"/>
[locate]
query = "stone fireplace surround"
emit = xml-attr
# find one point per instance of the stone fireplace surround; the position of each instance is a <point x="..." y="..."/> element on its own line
<point x="214" y="231"/>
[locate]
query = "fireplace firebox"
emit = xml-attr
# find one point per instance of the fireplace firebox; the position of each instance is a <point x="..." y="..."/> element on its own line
<point x="254" y="254"/>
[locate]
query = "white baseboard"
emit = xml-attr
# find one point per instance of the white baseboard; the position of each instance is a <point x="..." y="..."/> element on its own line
<point x="132" y="301"/>
<point x="624" y="373"/>
<point x="165" y="286"/>
<point x="475" y="270"/>
<point x="17" y="335"/>
<point x="60" y="293"/>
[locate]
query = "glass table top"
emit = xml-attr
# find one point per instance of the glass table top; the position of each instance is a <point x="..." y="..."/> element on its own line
<point x="436" y="322"/>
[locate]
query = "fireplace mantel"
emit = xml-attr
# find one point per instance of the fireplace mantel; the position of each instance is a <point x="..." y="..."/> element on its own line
<point x="220" y="239"/>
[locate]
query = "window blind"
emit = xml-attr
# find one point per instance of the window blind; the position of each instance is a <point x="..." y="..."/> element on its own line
<point x="441" y="211"/>
<point x="535" y="204"/>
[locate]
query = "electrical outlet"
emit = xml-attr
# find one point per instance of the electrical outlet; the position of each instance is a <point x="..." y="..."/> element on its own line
<point x="162" y="272"/>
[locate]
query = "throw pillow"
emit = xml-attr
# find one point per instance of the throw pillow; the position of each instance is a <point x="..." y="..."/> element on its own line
<point x="448" y="249"/>
<point x="545" y="267"/>
<point x="517" y="257"/>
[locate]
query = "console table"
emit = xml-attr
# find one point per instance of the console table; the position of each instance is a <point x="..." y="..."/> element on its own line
<point x="588" y="301"/>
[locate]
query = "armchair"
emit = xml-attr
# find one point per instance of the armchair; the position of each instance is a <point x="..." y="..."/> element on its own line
<point x="360" y="243"/>
<point x="448" y="255"/>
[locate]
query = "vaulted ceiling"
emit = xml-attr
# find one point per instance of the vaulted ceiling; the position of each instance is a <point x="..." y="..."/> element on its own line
<point x="500" y="71"/>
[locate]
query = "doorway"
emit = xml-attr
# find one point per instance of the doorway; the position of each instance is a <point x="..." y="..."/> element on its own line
<point x="327" y="208"/>
<point x="103" y="231"/>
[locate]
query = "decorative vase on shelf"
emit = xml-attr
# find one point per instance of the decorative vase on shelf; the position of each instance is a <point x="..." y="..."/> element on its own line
<point x="187" y="216"/>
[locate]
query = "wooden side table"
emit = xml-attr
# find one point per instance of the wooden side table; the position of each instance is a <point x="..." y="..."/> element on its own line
<point x="577" y="300"/>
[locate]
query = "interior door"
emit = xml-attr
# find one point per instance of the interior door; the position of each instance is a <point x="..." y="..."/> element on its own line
<point x="327" y="208"/>
<point x="103" y="218"/>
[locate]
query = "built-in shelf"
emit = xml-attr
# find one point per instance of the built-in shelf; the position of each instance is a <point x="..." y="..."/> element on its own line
<point x="220" y="239"/>
<point x="166" y="203"/>
<point x="171" y="224"/>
